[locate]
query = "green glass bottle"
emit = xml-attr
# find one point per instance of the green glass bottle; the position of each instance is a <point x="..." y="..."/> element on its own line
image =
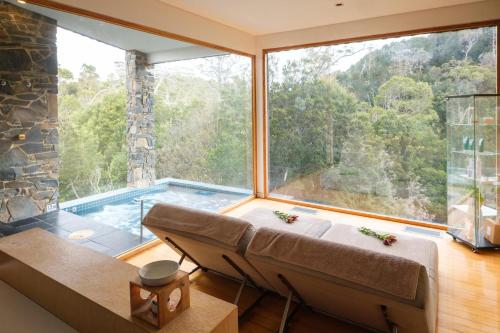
<point x="465" y="142"/>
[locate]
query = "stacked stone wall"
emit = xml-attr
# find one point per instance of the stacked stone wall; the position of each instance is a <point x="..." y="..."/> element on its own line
<point x="29" y="163"/>
<point x="140" y="120"/>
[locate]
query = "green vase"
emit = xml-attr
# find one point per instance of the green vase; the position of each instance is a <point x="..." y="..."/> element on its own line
<point x="465" y="142"/>
<point x="481" y="145"/>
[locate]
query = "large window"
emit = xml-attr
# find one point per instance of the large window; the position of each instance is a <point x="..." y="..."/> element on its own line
<point x="362" y="125"/>
<point x="203" y="117"/>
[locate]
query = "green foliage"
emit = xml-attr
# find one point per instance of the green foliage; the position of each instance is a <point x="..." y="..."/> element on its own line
<point x="92" y="134"/>
<point x="373" y="136"/>
<point x="203" y="121"/>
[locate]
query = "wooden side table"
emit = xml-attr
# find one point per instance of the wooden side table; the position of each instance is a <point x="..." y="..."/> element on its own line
<point x="159" y="305"/>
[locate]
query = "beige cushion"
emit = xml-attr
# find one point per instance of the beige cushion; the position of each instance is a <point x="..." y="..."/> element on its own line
<point x="206" y="237"/>
<point x="305" y="225"/>
<point x="218" y="228"/>
<point x="378" y="271"/>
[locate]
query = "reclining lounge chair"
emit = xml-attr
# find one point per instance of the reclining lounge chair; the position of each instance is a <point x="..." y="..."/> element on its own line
<point x="376" y="290"/>
<point x="344" y="274"/>
<point x="213" y="242"/>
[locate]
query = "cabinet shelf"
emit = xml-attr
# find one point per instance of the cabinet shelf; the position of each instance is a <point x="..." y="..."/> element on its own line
<point x="473" y="176"/>
<point x="483" y="180"/>
<point x="472" y="125"/>
<point x="471" y="153"/>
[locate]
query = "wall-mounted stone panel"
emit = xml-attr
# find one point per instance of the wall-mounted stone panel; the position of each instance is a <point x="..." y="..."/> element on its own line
<point x="29" y="166"/>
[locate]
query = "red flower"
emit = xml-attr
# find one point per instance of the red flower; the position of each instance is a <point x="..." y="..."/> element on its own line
<point x="389" y="239"/>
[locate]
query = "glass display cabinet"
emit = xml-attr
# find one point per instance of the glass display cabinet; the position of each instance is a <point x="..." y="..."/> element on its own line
<point x="473" y="169"/>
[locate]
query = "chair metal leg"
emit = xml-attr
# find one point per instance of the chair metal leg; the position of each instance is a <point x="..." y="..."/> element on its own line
<point x="240" y="290"/>
<point x="195" y="269"/>
<point x="291" y="288"/>
<point x="292" y="293"/>
<point x="240" y="271"/>
<point x="284" y="318"/>
<point x="185" y="254"/>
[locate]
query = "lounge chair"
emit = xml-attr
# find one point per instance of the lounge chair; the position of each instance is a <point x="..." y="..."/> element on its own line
<point x="380" y="288"/>
<point x="344" y="274"/>
<point x="213" y="242"/>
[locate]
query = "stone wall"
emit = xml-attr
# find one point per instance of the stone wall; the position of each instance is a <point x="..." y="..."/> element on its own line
<point x="28" y="108"/>
<point x="140" y="120"/>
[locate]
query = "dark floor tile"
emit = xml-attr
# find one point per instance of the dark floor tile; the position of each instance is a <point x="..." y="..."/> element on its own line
<point x="118" y="240"/>
<point x="99" y="229"/>
<point x="23" y="222"/>
<point x="49" y="215"/>
<point x="6" y="229"/>
<point x="60" y="217"/>
<point x="38" y="224"/>
<point x="64" y="234"/>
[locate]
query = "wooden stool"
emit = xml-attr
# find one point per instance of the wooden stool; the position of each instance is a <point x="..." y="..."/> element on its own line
<point x="162" y="304"/>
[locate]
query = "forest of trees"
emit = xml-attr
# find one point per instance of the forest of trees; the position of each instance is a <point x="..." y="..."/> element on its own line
<point x="372" y="137"/>
<point x="203" y="125"/>
<point x="369" y="135"/>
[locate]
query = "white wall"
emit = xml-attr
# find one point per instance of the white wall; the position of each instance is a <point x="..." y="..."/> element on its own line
<point x="156" y="14"/>
<point x="473" y="12"/>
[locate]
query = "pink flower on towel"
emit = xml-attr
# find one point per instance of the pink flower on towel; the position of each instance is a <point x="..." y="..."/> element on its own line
<point x="287" y="218"/>
<point x="389" y="239"/>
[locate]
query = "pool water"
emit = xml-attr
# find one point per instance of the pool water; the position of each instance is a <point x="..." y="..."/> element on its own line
<point x="126" y="214"/>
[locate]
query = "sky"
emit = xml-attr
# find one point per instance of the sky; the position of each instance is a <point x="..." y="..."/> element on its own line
<point x="74" y="50"/>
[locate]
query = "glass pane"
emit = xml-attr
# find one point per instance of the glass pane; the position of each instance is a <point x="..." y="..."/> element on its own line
<point x="203" y="119"/>
<point x="363" y="125"/>
<point x="461" y="168"/>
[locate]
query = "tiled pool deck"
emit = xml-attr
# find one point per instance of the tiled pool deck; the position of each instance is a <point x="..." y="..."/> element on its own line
<point x="108" y="238"/>
<point x="105" y="239"/>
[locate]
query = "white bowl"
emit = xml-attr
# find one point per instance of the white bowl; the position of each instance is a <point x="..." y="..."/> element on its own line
<point x="158" y="273"/>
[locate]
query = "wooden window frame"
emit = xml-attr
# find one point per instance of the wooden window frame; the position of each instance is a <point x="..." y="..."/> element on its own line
<point x="139" y="27"/>
<point x="265" y="122"/>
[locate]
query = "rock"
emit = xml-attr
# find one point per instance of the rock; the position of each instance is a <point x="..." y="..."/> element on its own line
<point x="34" y="135"/>
<point x="42" y="195"/>
<point x="22" y="207"/>
<point x="40" y="108"/>
<point x="17" y="60"/>
<point x="31" y="169"/>
<point x="4" y="213"/>
<point x="5" y="146"/>
<point x="18" y="184"/>
<point x="7" y="174"/>
<point x="27" y="96"/>
<point x="52" y="138"/>
<point x="13" y="158"/>
<point x="15" y="102"/>
<point x="20" y="114"/>
<point x="141" y="143"/>
<point x="51" y="65"/>
<point x="46" y="155"/>
<point x="31" y="148"/>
